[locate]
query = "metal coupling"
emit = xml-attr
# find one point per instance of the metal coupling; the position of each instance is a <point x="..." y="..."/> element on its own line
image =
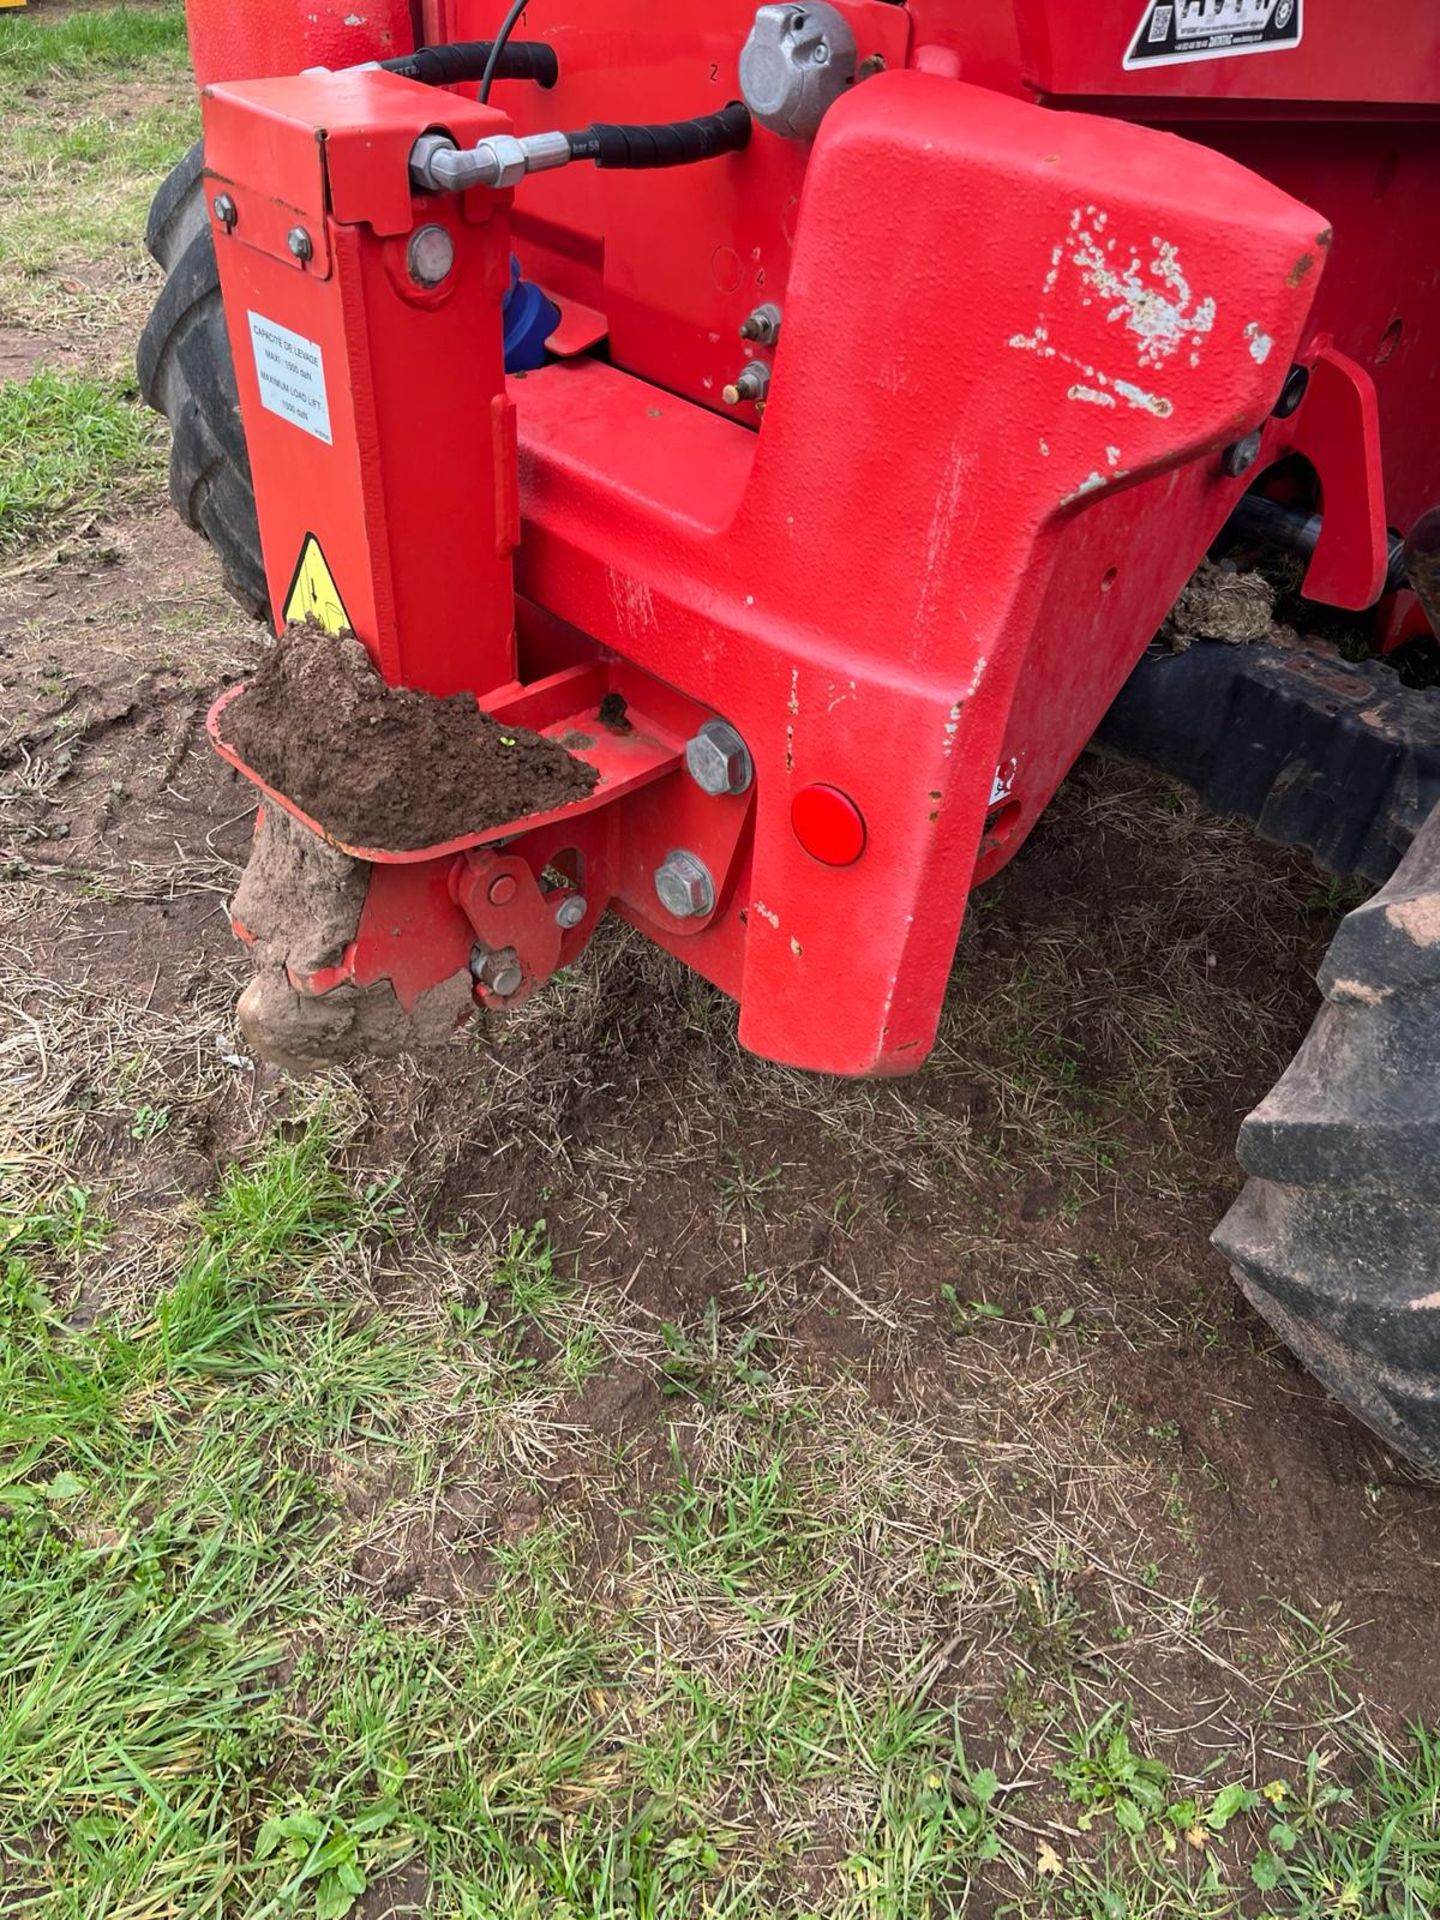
<point x="718" y="761"/>
<point x="683" y="885"/>
<point x="752" y="383"/>
<point x="795" y="65"/>
<point x="437" y="165"/>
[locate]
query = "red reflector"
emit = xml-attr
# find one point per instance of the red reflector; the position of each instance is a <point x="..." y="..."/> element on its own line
<point x="828" y="824"/>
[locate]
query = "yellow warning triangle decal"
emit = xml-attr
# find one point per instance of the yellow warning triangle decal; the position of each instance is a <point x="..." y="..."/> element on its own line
<point x="313" y="593"/>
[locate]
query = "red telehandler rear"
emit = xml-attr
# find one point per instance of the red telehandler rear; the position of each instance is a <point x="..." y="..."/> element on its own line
<point x="755" y="449"/>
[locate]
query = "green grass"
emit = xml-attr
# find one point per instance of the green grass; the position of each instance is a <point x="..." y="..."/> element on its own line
<point x="201" y="1711"/>
<point x="68" y="444"/>
<point x="95" y="108"/>
<point x="35" y="49"/>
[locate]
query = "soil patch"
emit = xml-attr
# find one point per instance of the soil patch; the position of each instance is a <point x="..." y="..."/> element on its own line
<point x="21" y="353"/>
<point x="386" y="766"/>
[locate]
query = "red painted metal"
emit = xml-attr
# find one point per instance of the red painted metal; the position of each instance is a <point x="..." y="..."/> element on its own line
<point x="1015" y="343"/>
<point x="1350" y="51"/>
<point x="239" y="42"/>
<point x="1337" y="430"/>
<point x="419" y="454"/>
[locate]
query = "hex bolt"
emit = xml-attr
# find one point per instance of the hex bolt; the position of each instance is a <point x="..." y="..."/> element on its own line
<point x="300" y="244"/>
<point x="718" y="760"/>
<point x="1292" y="393"/>
<point x="430" y="256"/>
<point x="225" y="210"/>
<point x="498" y="970"/>
<point x="683" y="885"/>
<point x="571" y="911"/>
<point x="752" y="383"/>
<point x="763" y="325"/>
<point x="1240" y="456"/>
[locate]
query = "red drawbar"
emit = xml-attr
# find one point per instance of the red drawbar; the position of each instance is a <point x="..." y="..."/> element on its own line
<point x="829" y="825"/>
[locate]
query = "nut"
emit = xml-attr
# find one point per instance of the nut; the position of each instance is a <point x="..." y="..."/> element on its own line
<point x="751" y="383"/>
<point x="718" y="759"/>
<point x="225" y="210"/>
<point x="571" y="911"/>
<point x="762" y="325"/>
<point x="502" y="159"/>
<point x="683" y="885"/>
<point x="300" y="243"/>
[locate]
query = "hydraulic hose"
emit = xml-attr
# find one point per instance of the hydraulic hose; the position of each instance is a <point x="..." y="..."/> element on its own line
<point x="461" y="60"/>
<point x="437" y="165"/>
<point x="675" y="143"/>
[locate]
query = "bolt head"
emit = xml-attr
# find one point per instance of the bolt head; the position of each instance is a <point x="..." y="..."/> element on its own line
<point x="1293" y="392"/>
<point x="225" y="210"/>
<point x="571" y="911"/>
<point x="1240" y="456"/>
<point x="683" y="885"/>
<point x="718" y="760"/>
<point x="430" y="255"/>
<point x="300" y="243"/>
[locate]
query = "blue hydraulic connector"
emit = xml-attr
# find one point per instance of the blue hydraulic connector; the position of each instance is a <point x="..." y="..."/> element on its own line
<point x="529" y="320"/>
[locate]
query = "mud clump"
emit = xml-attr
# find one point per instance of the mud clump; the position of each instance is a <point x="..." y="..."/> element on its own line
<point x="298" y="906"/>
<point x="1215" y="604"/>
<point x="388" y="767"/>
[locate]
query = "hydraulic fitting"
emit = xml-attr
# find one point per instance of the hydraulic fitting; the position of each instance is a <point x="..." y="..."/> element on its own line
<point x="437" y="165"/>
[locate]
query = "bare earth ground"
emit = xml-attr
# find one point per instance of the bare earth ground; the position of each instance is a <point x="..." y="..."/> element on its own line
<point x="818" y="1405"/>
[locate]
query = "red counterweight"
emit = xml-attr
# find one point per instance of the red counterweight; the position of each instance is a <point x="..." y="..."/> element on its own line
<point x="913" y="593"/>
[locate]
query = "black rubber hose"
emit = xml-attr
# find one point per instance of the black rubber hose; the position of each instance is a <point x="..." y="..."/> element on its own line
<point x="675" y="144"/>
<point x="466" y="60"/>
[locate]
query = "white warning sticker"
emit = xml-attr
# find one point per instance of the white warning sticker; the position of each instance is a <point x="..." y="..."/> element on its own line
<point x="291" y="373"/>
<point x="1174" y="30"/>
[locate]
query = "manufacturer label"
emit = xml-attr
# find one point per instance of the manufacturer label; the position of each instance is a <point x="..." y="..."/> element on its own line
<point x="1172" y="31"/>
<point x="313" y="594"/>
<point x="291" y="373"/>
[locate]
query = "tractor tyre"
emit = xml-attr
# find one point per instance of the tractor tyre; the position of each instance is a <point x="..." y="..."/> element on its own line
<point x="1335" y="1237"/>
<point x="187" y="374"/>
